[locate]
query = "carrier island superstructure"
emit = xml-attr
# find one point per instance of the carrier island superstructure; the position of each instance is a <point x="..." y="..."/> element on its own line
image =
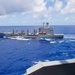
<point x="43" y="32"/>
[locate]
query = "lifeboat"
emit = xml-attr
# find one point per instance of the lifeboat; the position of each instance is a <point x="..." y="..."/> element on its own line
<point x="42" y="32"/>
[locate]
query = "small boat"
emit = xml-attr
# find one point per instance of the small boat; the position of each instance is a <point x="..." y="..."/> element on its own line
<point x="2" y="35"/>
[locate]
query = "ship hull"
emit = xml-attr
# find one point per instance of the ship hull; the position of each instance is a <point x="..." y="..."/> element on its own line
<point x="2" y="35"/>
<point x="55" y="36"/>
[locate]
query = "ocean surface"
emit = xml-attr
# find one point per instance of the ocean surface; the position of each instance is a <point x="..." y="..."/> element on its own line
<point x="16" y="55"/>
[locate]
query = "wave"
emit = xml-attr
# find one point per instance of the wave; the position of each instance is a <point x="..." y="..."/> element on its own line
<point x="36" y="62"/>
<point x="24" y="74"/>
<point x="66" y="54"/>
<point x="19" y="38"/>
<point x="55" y="41"/>
<point x="61" y="41"/>
<point x="47" y="39"/>
<point x="42" y="39"/>
<point x="72" y="40"/>
<point x="66" y="50"/>
<point x="52" y="41"/>
<point x="71" y="36"/>
<point x="22" y="39"/>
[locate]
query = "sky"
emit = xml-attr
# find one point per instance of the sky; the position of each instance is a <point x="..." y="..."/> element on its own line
<point x="36" y="12"/>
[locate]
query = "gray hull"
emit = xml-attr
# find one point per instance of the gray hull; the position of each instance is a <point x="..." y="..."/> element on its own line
<point x="2" y="35"/>
<point x="55" y="36"/>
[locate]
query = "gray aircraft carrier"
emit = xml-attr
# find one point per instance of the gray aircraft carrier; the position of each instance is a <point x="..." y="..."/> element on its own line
<point x="43" y="32"/>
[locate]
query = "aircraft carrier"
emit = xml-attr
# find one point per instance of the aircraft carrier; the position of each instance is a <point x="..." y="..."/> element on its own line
<point x="43" y="32"/>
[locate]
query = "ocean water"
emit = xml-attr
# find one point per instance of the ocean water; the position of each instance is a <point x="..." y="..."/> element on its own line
<point x="16" y="55"/>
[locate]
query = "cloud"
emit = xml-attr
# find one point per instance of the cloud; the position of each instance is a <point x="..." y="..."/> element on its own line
<point x="66" y="19"/>
<point x="40" y="6"/>
<point x="69" y="8"/>
<point x="19" y="6"/>
<point x="50" y="0"/>
<point x="49" y="12"/>
<point x="55" y="8"/>
<point x="58" y="5"/>
<point x="35" y="7"/>
<point x="4" y="16"/>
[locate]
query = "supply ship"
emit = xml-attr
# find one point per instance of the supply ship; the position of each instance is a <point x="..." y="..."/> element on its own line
<point x="43" y="32"/>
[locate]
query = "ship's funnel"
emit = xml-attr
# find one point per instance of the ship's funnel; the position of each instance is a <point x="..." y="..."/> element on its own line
<point x="47" y="24"/>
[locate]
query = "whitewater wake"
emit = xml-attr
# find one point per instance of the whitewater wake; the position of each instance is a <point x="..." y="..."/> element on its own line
<point x="19" y="38"/>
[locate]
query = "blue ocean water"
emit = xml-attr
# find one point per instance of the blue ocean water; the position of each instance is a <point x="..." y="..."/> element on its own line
<point x="16" y="55"/>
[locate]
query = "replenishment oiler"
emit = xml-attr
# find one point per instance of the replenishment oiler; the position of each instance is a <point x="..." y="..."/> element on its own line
<point x="44" y="32"/>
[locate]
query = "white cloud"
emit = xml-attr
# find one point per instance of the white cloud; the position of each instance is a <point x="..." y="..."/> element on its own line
<point x="16" y="6"/>
<point x="36" y="7"/>
<point x="40" y="6"/>
<point x="69" y="8"/>
<point x="35" y="15"/>
<point x="55" y="8"/>
<point x="66" y="19"/>
<point x="4" y="16"/>
<point x="58" y="5"/>
<point x="50" y="0"/>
